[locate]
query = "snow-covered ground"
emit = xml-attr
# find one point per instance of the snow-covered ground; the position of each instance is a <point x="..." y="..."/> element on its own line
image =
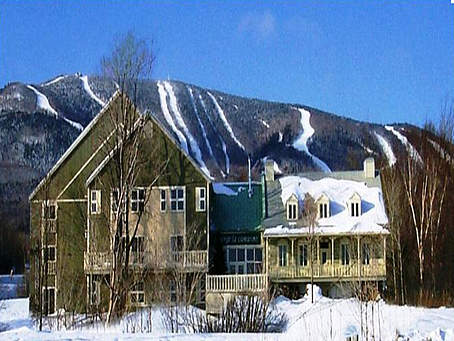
<point x="325" y="319"/>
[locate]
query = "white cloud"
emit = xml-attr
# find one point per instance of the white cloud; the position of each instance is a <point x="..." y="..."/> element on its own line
<point x="261" y="24"/>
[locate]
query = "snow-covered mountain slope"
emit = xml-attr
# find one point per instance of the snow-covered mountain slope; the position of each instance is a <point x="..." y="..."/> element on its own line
<point x="218" y="130"/>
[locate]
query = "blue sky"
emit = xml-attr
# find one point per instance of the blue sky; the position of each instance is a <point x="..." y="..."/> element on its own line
<point x="381" y="61"/>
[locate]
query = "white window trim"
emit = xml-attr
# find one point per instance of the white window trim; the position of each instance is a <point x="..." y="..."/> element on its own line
<point x="199" y="199"/>
<point x="279" y="255"/>
<point x="44" y="288"/>
<point x="300" y="254"/>
<point x="347" y="247"/>
<point x="96" y="201"/>
<point x="244" y="262"/>
<point x="137" y="294"/>
<point x="323" y="208"/>
<point x="138" y="201"/>
<point x="289" y="217"/>
<point x="177" y="200"/>
<point x="48" y="203"/>
<point x="162" y="200"/>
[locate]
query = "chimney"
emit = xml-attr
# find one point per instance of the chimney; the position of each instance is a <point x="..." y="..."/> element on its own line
<point x="369" y="167"/>
<point x="269" y="170"/>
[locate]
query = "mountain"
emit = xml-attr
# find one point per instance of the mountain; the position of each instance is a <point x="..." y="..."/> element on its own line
<point x="38" y="122"/>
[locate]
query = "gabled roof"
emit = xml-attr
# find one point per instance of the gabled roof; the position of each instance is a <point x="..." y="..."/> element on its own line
<point x="73" y="145"/>
<point x="85" y="132"/>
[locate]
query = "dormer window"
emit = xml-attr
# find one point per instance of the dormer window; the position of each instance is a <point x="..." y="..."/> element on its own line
<point x="323" y="207"/>
<point x="292" y="208"/>
<point x="354" y="205"/>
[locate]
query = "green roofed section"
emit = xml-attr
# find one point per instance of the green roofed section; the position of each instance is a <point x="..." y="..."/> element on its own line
<point x="234" y="210"/>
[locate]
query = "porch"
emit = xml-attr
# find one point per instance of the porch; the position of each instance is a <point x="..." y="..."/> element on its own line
<point x="101" y="262"/>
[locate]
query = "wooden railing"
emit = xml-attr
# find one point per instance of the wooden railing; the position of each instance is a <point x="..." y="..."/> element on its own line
<point x="236" y="283"/>
<point x="187" y="260"/>
<point x="376" y="268"/>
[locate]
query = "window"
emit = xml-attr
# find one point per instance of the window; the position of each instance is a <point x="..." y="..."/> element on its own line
<point x="114" y="198"/>
<point x="173" y="291"/>
<point x="292" y="210"/>
<point x="176" y="243"/>
<point x="163" y="200"/>
<point x="137" y="200"/>
<point x="200" y="197"/>
<point x="49" y="301"/>
<point x="366" y="254"/>
<point x="95" y="201"/>
<point x="345" y="254"/>
<point x="282" y="255"/>
<point x="303" y="255"/>
<point x="323" y="210"/>
<point x="354" y="209"/>
<point x="137" y="294"/>
<point x="177" y="199"/>
<point x="95" y="289"/>
<point x="244" y="259"/>
<point x="50" y="211"/>
<point x="50" y="253"/>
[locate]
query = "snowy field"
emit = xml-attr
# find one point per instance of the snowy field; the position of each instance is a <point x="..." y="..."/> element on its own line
<point x="325" y="319"/>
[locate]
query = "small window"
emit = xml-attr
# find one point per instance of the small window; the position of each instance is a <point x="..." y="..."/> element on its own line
<point x="49" y="300"/>
<point x="95" y="201"/>
<point x="163" y="200"/>
<point x="50" y="254"/>
<point x="176" y="243"/>
<point x="200" y="194"/>
<point x="345" y="254"/>
<point x="173" y="292"/>
<point x="114" y="198"/>
<point x="137" y="200"/>
<point x="354" y="209"/>
<point x="50" y="211"/>
<point x="177" y="199"/>
<point x="303" y="255"/>
<point x="292" y="210"/>
<point x="282" y="255"/>
<point x="323" y="210"/>
<point x="137" y="293"/>
<point x="137" y="244"/>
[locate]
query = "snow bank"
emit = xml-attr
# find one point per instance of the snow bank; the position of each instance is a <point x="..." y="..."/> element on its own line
<point x="90" y="93"/>
<point x="42" y="102"/>
<point x="386" y="147"/>
<point x="301" y="142"/>
<point x="411" y="150"/>
<point x="55" y="80"/>
<point x="220" y="188"/>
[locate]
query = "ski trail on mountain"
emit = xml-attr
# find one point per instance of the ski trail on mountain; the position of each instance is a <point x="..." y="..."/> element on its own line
<point x="43" y="103"/>
<point x="179" y="118"/>
<point x="411" y="150"/>
<point x="55" y="80"/>
<point x="386" y="147"/>
<point x="165" y="110"/>
<point x="90" y="93"/>
<point x="202" y="127"/>
<point x="224" y="120"/>
<point x="224" y="146"/>
<point x="301" y="142"/>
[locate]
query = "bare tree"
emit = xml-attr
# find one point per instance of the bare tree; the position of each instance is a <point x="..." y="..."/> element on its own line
<point x="310" y="220"/>
<point x="129" y="64"/>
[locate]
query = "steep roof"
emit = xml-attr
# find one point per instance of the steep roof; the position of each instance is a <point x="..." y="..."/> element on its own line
<point x="339" y="187"/>
<point x="234" y="211"/>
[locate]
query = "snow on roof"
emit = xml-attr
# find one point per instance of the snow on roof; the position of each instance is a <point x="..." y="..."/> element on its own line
<point x="339" y="192"/>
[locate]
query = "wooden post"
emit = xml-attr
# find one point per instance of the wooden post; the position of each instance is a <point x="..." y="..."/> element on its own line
<point x="318" y="254"/>
<point x="359" y="257"/>
<point x="332" y="256"/>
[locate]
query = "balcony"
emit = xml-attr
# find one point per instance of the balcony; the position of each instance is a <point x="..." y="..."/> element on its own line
<point x="185" y="261"/>
<point x="254" y="283"/>
<point x="375" y="270"/>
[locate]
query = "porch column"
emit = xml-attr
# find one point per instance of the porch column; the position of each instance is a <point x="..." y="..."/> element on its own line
<point x="318" y="254"/>
<point x="332" y="256"/>
<point x="293" y="251"/>
<point x="359" y="257"/>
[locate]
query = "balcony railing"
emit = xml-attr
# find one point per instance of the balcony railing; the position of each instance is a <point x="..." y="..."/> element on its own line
<point x="236" y="283"/>
<point x="375" y="269"/>
<point x="187" y="260"/>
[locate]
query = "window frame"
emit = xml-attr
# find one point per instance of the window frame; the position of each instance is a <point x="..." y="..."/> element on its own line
<point x="345" y="254"/>
<point x="200" y="199"/>
<point x="138" y="201"/>
<point x="162" y="200"/>
<point x="45" y="210"/>
<point x="95" y="201"/>
<point x="282" y="261"/>
<point x="303" y="250"/>
<point x="137" y="292"/>
<point x="292" y="211"/>
<point x="245" y="263"/>
<point x="177" y="200"/>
